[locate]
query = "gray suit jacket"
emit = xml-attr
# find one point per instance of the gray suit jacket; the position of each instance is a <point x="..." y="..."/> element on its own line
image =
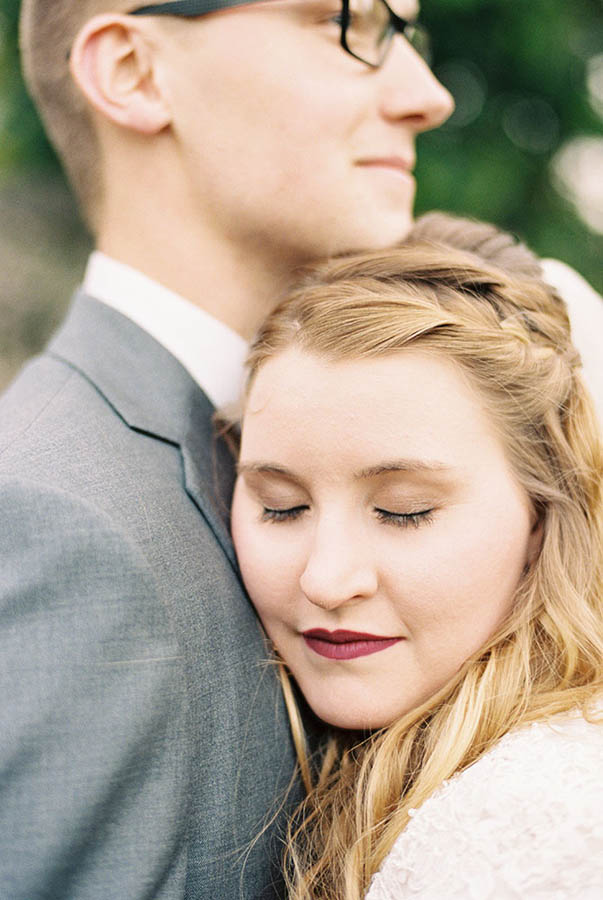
<point x="143" y="741"/>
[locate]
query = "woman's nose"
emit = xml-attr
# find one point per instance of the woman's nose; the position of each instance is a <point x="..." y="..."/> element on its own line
<point x="339" y="570"/>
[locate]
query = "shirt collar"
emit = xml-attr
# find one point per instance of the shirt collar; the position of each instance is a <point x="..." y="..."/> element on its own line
<point x="212" y="353"/>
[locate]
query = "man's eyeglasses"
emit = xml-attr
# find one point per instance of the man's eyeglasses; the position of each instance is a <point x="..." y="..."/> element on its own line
<point x="367" y="26"/>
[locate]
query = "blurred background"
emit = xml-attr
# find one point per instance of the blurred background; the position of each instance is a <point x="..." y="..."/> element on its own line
<point x="524" y="149"/>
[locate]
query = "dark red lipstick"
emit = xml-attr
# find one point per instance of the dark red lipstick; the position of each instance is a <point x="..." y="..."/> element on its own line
<point x="342" y="644"/>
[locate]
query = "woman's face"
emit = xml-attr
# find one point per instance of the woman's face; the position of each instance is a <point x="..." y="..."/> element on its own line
<point x="380" y="531"/>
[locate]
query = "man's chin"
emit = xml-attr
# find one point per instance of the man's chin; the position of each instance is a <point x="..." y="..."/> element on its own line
<point x="382" y="238"/>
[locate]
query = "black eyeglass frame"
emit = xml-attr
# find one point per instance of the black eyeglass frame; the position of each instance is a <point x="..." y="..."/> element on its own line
<point x="397" y="25"/>
<point x="194" y="8"/>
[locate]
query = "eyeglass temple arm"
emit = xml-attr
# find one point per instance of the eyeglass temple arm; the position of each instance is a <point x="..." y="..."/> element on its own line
<point x="187" y="8"/>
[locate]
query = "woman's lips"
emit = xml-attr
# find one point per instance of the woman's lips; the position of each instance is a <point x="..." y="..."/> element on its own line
<point x="346" y="644"/>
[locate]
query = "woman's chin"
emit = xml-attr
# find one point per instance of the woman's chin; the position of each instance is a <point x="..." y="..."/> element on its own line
<point x="351" y="718"/>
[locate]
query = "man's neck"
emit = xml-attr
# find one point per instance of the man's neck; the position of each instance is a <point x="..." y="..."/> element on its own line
<point x="153" y="219"/>
<point x="236" y="287"/>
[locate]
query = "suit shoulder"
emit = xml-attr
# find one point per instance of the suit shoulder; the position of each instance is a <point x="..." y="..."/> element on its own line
<point x="30" y="394"/>
<point x="53" y="534"/>
<point x="57" y="428"/>
<point x="45" y="397"/>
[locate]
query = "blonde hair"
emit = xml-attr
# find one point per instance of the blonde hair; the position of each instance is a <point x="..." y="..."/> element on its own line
<point x="47" y="32"/>
<point x="469" y="292"/>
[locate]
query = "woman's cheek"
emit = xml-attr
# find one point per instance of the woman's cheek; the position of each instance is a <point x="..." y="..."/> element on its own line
<point x="266" y="566"/>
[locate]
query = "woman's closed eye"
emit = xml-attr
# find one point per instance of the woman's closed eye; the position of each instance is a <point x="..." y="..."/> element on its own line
<point x="288" y="514"/>
<point x="405" y="520"/>
<point x="401" y="520"/>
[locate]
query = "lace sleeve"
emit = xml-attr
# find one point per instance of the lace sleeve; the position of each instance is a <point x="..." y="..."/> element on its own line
<point x="524" y="823"/>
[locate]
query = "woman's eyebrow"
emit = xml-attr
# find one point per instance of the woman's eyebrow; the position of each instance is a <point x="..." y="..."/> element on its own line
<point x="396" y="465"/>
<point x="402" y="465"/>
<point x="270" y="469"/>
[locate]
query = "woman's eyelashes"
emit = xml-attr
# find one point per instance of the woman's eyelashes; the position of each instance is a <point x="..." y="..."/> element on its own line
<point x="405" y="520"/>
<point x="270" y="514"/>
<point x="398" y="519"/>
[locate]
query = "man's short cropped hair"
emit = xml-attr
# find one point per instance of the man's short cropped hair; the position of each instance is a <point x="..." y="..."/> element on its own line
<point x="48" y="29"/>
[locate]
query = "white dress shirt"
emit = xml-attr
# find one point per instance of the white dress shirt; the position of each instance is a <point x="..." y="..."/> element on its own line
<point x="211" y="352"/>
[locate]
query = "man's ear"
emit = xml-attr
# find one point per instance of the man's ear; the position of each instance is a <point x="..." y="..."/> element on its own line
<point x="112" y="63"/>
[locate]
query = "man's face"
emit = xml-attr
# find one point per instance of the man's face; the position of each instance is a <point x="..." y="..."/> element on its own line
<point x="290" y="145"/>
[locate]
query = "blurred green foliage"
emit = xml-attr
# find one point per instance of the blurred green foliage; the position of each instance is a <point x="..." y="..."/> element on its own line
<point x="23" y="143"/>
<point x="517" y="69"/>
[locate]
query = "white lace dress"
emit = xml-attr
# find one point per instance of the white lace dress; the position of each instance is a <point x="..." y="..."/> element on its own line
<point x="525" y="822"/>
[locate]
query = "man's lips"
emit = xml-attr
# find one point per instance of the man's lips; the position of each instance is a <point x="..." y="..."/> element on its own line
<point x="402" y="164"/>
<point x="346" y="644"/>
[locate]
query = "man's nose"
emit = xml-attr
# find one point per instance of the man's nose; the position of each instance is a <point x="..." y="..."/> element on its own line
<point x="410" y="91"/>
<point x="339" y="570"/>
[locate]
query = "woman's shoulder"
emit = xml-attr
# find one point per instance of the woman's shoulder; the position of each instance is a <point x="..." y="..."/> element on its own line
<point x="524" y="821"/>
<point x="525" y="761"/>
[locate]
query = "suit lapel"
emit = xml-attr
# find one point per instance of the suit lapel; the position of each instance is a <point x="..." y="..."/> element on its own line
<point x="149" y="389"/>
<point x="209" y="472"/>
